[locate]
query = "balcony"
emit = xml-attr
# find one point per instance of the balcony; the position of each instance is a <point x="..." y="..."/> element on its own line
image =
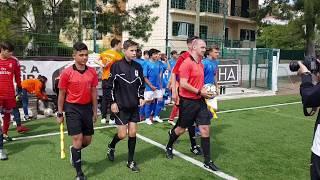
<point x="183" y="5"/>
<point x="230" y="43"/>
<point x="211" y="6"/>
<point x="207" y="7"/>
<point x="240" y="12"/>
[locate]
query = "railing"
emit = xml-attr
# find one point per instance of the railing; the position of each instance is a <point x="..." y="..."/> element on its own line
<point x="178" y="4"/>
<point x="211" y="7"/>
<point x="215" y="40"/>
<point x="238" y="11"/>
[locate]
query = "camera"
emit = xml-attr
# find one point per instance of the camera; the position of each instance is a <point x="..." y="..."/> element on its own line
<point x="313" y="66"/>
<point x="309" y="61"/>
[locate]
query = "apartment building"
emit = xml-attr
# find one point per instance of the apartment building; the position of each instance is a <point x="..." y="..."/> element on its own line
<point x="220" y="21"/>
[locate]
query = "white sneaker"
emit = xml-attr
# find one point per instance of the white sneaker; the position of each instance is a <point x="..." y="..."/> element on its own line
<point x="3" y="155"/>
<point x="112" y="122"/>
<point x="172" y="123"/>
<point x="148" y="121"/>
<point x="103" y="121"/>
<point x="166" y="102"/>
<point x="157" y="118"/>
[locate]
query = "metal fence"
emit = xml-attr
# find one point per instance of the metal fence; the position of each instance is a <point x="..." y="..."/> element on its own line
<point x="49" y="28"/>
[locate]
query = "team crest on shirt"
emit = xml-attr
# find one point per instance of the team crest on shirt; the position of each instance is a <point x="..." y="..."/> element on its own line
<point x="136" y="73"/>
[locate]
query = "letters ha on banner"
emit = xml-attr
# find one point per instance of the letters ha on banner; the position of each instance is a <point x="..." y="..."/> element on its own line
<point x="229" y="70"/>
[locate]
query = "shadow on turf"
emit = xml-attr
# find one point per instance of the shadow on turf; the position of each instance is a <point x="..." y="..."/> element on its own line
<point x="36" y="127"/>
<point x="16" y="147"/>
<point x="217" y="146"/>
<point x="141" y="156"/>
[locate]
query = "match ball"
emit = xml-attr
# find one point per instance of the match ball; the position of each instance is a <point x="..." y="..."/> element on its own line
<point x="48" y="112"/>
<point x="211" y="88"/>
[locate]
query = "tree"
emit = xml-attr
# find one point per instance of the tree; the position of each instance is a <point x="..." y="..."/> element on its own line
<point x="11" y="29"/>
<point x="43" y="20"/>
<point x="49" y="16"/>
<point x="287" y="37"/>
<point x="136" y="20"/>
<point x="309" y="17"/>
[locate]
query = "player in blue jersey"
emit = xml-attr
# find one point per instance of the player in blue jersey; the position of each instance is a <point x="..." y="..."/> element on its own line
<point x="146" y="55"/>
<point x="173" y="60"/>
<point x="165" y="79"/>
<point x="141" y="62"/>
<point x="172" y="63"/>
<point x="211" y="66"/>
<point x="152" y="72"/>
<point x="139" y="58"/>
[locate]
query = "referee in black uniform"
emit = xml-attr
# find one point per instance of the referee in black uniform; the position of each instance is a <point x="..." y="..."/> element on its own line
<point x="127" y="87"/>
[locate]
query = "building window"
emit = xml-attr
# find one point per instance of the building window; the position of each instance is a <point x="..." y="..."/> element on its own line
<point x="89" y="35"/>
<point x="182" y="29"/>
<point x="87" y="5"/>
<point x="203" y="32"/>
<point x="212" y="6"/>
<point x="246" y="34"/>
<point x="178" y="4"/>
<point x="252" y="35"/>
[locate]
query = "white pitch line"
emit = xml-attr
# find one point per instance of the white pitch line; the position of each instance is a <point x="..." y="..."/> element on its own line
<point x="56" y="133"/>
<point x="109" y="126"/>
<point x="251" y="108"/>
<point x="187" y="158"/>
<point x="257" y="107"/>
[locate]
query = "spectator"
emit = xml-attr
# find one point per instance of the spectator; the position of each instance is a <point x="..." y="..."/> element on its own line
<point x="36" y="87"/>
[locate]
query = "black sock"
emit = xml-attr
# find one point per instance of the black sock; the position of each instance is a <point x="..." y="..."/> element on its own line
<point x="1" y="140"/>
<point x="112" y="116"/>
<point x="192" y="134"/>
<point x="172" y="138"/>
<point x="114" y="141"/>
<point x="205" y="144"/>
<point x="175" y="126"/>
<point x="131" y="147"/>
<point x="76" y="158"/>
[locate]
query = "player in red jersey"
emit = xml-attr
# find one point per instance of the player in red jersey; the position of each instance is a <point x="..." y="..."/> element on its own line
<point x="174" y="81"/>
<point x="9" y="69"/>
<point x="78" y="100"/>
<point x="193" y="108"/>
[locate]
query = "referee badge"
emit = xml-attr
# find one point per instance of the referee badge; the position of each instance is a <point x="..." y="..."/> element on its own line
<point x="136" y="73"/>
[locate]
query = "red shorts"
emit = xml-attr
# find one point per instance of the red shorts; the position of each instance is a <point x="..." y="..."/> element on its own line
<point x="7" y="104"/>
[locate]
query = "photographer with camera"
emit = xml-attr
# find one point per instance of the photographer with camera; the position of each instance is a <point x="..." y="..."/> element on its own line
<point x="310" y="94"/>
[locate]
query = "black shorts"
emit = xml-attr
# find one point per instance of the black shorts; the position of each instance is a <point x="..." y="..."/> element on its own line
<point x="193" y="111"/>
<point x="315" y="167"/>
<point x="127" y="115"/>
<point x="79" y="119"/>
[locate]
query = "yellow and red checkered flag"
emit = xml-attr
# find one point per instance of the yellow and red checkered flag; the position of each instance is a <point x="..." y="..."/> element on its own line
<point x="212" y="106"/>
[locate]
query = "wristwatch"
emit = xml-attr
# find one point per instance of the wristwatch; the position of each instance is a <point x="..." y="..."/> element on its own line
<point x="199" y="92"/>
<point x="59" y="114"/>
<point x="307" y="73"/>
